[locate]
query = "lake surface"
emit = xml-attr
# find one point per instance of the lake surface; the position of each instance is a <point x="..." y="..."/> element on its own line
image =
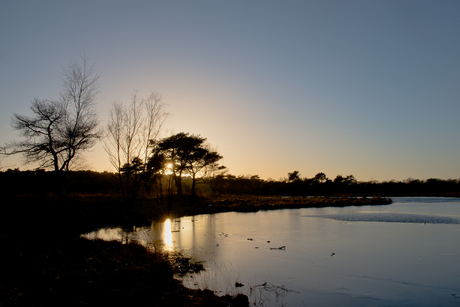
<point x="404" y="254"/>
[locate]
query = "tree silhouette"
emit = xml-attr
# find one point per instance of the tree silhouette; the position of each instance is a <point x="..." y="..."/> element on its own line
<point x="133" y="171"/>
<point x="199" y="158"/>
<point x="188" y="154"/>
<point x="170" y="149"/>
<point x="320" y="177"/>
<point x="131" y="133"/>
<point x="295" y="175"/>
<point x="60" y="130"/>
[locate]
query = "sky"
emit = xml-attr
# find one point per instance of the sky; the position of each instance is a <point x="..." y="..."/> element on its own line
<point x="368" y="88"/>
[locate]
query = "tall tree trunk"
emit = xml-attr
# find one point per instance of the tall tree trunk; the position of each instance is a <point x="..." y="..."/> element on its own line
<point x="120" y="179"/>
<point x="179" y="183"/>
<point x="193" y="185"/>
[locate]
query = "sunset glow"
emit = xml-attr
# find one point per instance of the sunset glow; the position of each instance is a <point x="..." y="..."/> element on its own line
<point x="340" y="87"/>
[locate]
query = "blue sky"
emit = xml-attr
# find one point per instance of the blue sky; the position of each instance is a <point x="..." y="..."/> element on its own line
<point x="369" y="88"/>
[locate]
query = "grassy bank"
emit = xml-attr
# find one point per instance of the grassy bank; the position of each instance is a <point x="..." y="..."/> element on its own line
<point x="255" y="203"/>
<point x="79" y="272"/>
<point x="48" y="264"/>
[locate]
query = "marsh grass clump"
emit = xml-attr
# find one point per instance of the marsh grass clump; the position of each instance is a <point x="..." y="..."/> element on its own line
<point x="183" y="265"/>
<point x="262" y="294"/>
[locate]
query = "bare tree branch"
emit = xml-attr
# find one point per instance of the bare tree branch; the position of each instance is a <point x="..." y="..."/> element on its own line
<point x="130" y="133"/>
<point x="58" y="131"/>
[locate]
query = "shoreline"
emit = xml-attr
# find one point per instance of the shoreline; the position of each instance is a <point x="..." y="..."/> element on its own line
<point x="256" y="203"/>
<point x="48" y="263"/>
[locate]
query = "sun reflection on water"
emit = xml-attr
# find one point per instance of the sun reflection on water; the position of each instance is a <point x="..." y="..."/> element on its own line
<point x="167" y="236"/>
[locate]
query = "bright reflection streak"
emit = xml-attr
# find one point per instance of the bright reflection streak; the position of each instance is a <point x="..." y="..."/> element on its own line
<point x="167" y="236"/>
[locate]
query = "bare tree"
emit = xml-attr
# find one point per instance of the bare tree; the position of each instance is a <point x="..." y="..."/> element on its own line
<point x="60" y="130"/>
<point x="113" y="142"/>
<point x="131" y="132"/>
<point x="80" y="87"/>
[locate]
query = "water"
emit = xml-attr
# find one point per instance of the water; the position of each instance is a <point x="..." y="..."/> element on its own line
<point x="404" y="254"/>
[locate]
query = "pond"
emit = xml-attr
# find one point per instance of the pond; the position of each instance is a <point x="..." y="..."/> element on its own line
<point x="403" y="254"/>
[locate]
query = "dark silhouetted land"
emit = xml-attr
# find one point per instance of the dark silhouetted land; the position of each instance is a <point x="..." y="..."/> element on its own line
<point x="48" y="263"/>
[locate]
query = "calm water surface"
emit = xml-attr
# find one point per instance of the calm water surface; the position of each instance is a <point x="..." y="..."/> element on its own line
<point x="404" y="254"/>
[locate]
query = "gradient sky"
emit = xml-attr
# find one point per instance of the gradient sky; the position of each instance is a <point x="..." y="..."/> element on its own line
<point x="369" y="88"/>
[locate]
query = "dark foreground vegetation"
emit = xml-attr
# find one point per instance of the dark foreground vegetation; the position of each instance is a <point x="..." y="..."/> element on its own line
<point x="79" y="272"/>
<point x="47" y="262"/>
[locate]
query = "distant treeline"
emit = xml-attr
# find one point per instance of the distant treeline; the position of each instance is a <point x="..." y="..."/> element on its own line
<point x="339" y="186"/>
<point x="40" y="182"/>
